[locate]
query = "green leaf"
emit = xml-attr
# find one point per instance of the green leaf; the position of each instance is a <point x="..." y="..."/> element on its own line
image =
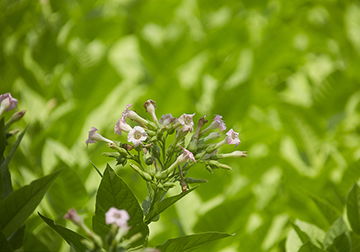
<point x="2" y="139"/>
<point x="5" y="177"/>
<point x="19" y="205"/>
<point x="329" y="211"/>
<point x="309" y="247"/>
<point x="72" y="238"/>
<point x="336" y="238"/>
<point x="114" y="192"/>
<point x="353" y="208"/>
<point x="4" y="244"/>
<point x="163" y="205"/>
<point x="309" y="233"/>
<point x="17" y="239"/>
<point x="190" y="242"/>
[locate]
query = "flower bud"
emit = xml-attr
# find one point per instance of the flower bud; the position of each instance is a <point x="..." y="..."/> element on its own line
<point x="73" y="216"/>
<point x="215" y="164"/>
<point x="167" y="119"/>
<point x="134" y="116"/>
<point x="233" y="154"/>
<point x="150" y="106"/>
<point x="15" y="117"/>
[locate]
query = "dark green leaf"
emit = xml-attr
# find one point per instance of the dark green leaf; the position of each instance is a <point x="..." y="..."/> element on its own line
<point x="114" y="192"/>
<point x="5" y="177"/>
<point x="164" y="204"/>
<point x="2" y="139"/>
<point x="336" y="238"/>
<point x="19" y="205"/>
<point x="17" y="239"/>
<point x="309" y="247"/>
<point x="189" y="242"/>
<point x="4" y="244"/>
<point x="72" y="238"/>
<point x="353" y="208"/>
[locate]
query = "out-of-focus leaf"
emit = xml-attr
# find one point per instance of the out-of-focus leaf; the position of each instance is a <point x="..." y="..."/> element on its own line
<point x="114" y="192"/>
<point x="337" y="238"/>
<point x="17" y="239"/>
<point x="164" y="204"/>
<point x="353" y="208"/>
<point x="309" y="247"/>
<point x="5" y="177"/>
<point x="190" y="242"/>
<point x="71" y="237"/>
<point x="20" y="204"/>
<point x="4" y="244"/>
<point x="329" y="211"/>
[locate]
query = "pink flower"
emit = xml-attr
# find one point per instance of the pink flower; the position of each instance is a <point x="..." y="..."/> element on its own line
<point x="232" y="137"/>
<point x="73" y="216"/>
<point x="96" y="137"/>
<point x="121" y="126"/>
<point x="118" y="217"/>
<point x="167" y="119"/>
<point x="7" y="102"/>
<point x="137" y="135"/>
<point x="186" y="156"/>
<point x="186" y="120"/>
<point x="219" y="123"/>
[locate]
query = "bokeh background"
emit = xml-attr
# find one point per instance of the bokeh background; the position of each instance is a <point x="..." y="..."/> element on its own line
<point x="285" y="74"/>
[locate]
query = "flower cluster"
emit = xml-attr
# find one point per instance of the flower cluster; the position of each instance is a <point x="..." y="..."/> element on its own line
<point x="9" y="104"/>
<point x="163" y="150"/>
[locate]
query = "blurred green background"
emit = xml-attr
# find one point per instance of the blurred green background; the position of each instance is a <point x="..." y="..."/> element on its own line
<point x="285" y="74"/>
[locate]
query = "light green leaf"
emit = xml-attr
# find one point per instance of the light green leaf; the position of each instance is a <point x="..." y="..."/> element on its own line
<point x="114" y="192"/>
<point x="20" y="204"/>
<point x="72" y="238"/>
<point x="190" y="242"/>
<point x="336" y="238"/>
<point x="353" y="208"/>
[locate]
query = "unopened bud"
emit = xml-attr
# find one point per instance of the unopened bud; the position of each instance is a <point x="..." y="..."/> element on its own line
<point x="73" y="216"/>
<point x="233" y="154"/>
<point x="216" y="164"/>
<point x="15" y="117"/>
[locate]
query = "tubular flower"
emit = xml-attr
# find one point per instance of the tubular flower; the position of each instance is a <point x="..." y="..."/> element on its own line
<point x="219" y="123"/>
<point x="167" y="119"/>
<point x="150" y="106"/>
<point x="186" y="120"/>
<point x="7" y="102"/>
<point x="137" y="135"/>
<point x="118" y="217"/>
<point x="73" y="216"/>
<point x="121" y="126"/>
<point x="133" y="115"/>
<point x="186" y="156"/>
<point x="96" y="137"/>
<point x="232" y="137"/>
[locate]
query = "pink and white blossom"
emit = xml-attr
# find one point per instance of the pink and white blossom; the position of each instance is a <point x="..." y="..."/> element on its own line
<point x="218" y="123"/>
<point x="232" y="137"/>
<point x="94" y="137"/>
<point x="121" y="126"/>
<point x="186" y="121"/>
<point x="137" y="135"/>
<point x="119" y="217"/>
<point x="132" y="115"/>
<point x="167" y="119"/>
<point x="7" y="102"/>
<point x="73" y="216"/>
<point x="186" y="156"/>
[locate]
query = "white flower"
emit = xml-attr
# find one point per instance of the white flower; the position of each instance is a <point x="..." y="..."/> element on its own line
<point x="118" y="217"/>
<point x="121" y="126"/>
<point x="186" y="120"/>
<point x="137" y="135"/>
<point x="7" y="102"/>
<point x="186" y="156"/>
<point x="232" y="137"/>
<point x="167" y="119"/>
<point x="96" y="137"/>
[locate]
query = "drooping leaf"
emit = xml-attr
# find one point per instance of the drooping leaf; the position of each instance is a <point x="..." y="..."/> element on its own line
<point x="5" y="177"/>
<point x="190" y="242"/>
<point x="164" y="204"/>
<point x="337" y="238"/>
<point x="114" y="192"/>
<point x="72" y="238"/>
<point x="20" y="204"/>
<point x="353" y="208"/>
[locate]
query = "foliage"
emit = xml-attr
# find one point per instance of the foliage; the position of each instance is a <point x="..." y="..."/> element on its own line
<point x="284" y="73"/>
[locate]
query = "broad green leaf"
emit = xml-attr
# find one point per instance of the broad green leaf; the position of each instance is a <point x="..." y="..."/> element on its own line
<point x="353" y="208"/>
<point x="309" y="247"/>
<point x="17" y="239"/>
<point x="337" y="238"/>
<point x="164" y="204"/>
<point x="72" y="238"/>
<point x="190" y="242"/>
<point x="114" y="192"/>
<point x="329" y="211"/>
<point x="309" y="232"/>
<point x="20" y="204"/>
<point x="4" y="244"/>
<point x="5" y="177"/>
